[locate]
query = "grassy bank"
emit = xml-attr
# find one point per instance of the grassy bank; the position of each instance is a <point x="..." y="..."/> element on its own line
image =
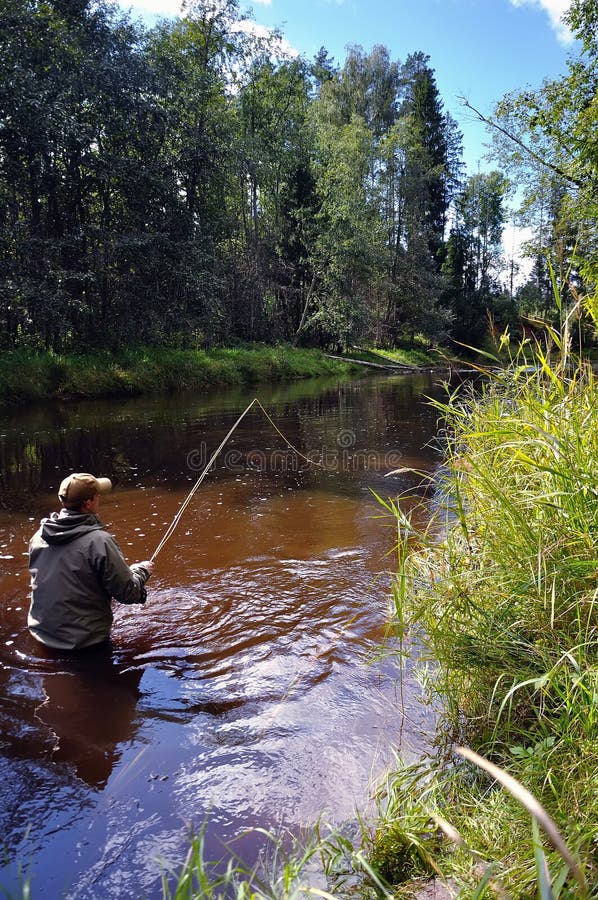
<point x="25" y="376"/>
<point x="414" y="356"/>
<point x="501" y="593"/>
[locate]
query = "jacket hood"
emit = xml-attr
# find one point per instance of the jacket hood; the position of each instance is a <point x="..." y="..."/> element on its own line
<point x="66" y="525"/>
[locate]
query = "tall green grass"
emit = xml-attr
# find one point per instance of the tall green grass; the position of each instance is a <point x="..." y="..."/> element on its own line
<point x="500" y="595"/>
<point x="287" y="869"/>
<point x="35" y="376"/>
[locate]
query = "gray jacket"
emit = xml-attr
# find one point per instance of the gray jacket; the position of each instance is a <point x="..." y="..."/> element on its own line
<point x="76" y="569"/>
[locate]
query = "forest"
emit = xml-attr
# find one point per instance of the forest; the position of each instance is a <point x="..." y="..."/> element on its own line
<point x="189" y="185"/>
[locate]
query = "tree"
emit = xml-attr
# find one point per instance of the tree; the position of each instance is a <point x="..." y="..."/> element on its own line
<point x="419" y="174"/>
<point x="195" y="61"/>
<point x="427" y="158"/>
<point x="276" y="192"/>
<point x="365" y="87"/>
<point x="322" y="69"/>
<point x="190" y="184"/>
<point x="70" y="92"/>
<point x="474" y="255"/>
<point x="347" y="254"/>
<point x="549" y="137"/>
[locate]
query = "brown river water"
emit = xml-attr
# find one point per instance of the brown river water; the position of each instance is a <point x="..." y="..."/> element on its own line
<point x="246" y="693"/>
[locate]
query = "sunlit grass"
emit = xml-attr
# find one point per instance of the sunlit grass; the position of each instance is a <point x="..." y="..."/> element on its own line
<point x="324" y="865"/>
<point x="30" y="376"/>
<point x="501" y="591"/>
<point x="412" y="356"/>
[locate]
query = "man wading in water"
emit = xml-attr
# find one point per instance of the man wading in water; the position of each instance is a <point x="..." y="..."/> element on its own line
<point x="77" y="568"/>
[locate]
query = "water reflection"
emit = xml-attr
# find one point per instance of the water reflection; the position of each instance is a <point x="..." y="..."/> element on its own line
<point x="149" y="439"/>
<point x="243" y="689"/>
<point x="89" y="707"/>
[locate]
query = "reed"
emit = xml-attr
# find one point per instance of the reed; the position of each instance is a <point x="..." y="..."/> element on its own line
<point x="499" y="594"/>
<point x="287" y="869"/>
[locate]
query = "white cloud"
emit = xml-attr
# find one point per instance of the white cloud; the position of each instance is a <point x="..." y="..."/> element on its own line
<point x="166" y="8"/>
<point x="555" y="10"/>
<point x="283" y="48"/>
<point x="172" y="8"/>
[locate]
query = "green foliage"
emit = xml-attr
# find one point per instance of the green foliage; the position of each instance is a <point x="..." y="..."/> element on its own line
<point x="500" y="592"/>
<point x="548" y="138"/>
<point x="190" y="185"/>
<point x="473" y="256"/>
<point x="406" y="840"/>
<point x="24" y="376"/>
<point x="191" y="180"/>
<point x="386" y="173"/>
<point x="288" y="869"/>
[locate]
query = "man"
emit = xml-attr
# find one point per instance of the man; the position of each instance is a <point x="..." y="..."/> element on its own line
<point x="77" y="568"/>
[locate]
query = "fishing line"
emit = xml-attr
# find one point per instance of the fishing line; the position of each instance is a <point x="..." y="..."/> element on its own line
<point x="169" y="531"/>
<point x="333" y="644"/>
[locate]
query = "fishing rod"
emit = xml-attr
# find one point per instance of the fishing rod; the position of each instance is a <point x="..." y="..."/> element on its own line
<point x="331" y="646"/>
<point x="255" y="402"/>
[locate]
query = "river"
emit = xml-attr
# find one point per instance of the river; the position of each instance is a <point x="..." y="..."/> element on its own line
<point x="246" y="693"/>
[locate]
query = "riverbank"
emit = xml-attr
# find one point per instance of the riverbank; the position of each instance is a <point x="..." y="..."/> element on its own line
<point x="505" y="610"/>
<point x="25" y="377"/>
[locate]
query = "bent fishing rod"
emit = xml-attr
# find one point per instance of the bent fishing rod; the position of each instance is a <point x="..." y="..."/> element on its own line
<point x="255" y="402"/>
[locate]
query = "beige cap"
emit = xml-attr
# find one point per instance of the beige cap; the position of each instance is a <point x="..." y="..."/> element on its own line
<point x="81" y="486"/>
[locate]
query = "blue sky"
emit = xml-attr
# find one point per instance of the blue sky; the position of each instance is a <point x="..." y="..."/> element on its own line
<point x="478" y="48"/>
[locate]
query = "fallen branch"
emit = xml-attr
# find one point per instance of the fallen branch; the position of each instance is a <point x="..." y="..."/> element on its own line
<point x="392" y="362"/>
<point x="363" y="362"/>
